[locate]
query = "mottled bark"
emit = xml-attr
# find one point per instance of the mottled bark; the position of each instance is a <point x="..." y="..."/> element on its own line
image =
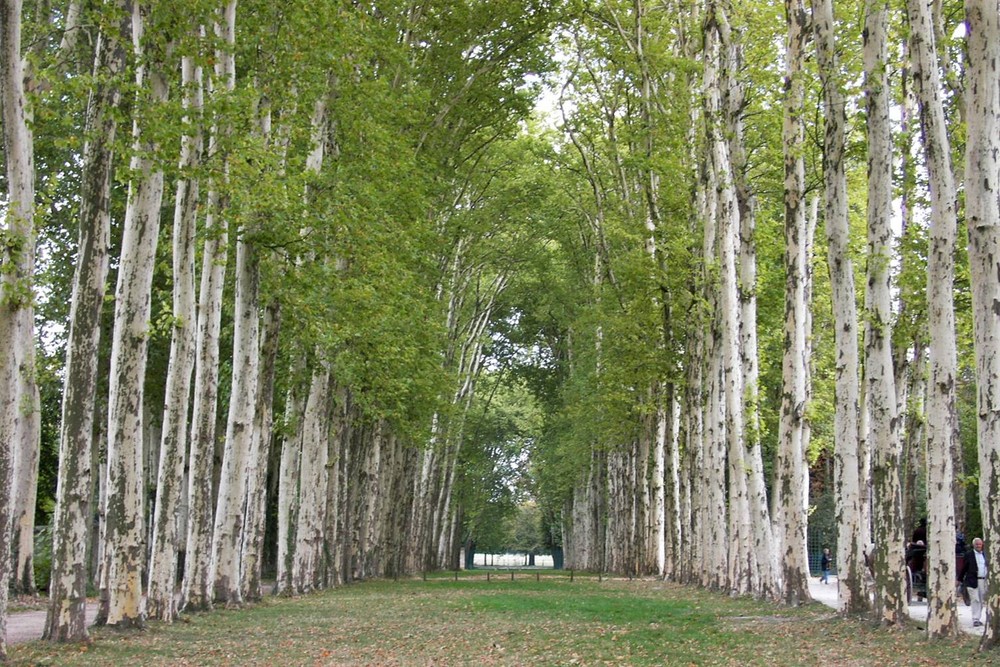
<point x="17" y="259"/>
<point x="983" y="217"/>
<point x="850" y="560"/>
<point x="942" y="411"/>
<point x="124" y="538"/>
<point x="227" y="535"/>
<point x="252" y="548"/>
<point x="790" y="490"/>
<point x="199" y="576"/>
<point x="309" y="558"/>
<point x="27" y="441"/>
<point x="161" y="602"/>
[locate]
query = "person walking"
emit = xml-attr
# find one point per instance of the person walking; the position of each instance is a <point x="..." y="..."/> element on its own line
<point x="976" y="567"/>
<point x="824" y="565"/>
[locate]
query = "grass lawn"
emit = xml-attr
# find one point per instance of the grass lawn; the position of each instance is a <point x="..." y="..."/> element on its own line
<point x="472" y="621"/>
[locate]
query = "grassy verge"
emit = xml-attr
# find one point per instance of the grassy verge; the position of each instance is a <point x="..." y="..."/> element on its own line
<point x="529" y="621"/>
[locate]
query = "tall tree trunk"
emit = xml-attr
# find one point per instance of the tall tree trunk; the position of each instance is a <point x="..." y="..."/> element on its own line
<point x="711" y="483"/>
<point x="228" y="527"/>
<point x="942" y="413"/>
<point x="850" y="562"/>
<point x="338" y="511"/>
<point x="260" y="453"/>
<point x="198" y="590"/>
<point x="982" y="208"/>
<point x="675" y="524"/>
<point x="658" y="509"/>
<point x="288" y="492"/>
<point x="909" y="405"/>
<point x="790" y="490"/>
<point x="764" y="583"/>
<point x="71" y="522"/>
<point x="743" y="569"/>
<point x="17" y="256"/>
<point x="125" y="521"/>
<point x="227" y="535"/>
<point x="309" y="559"/>
<point x="173" y="445"/>
<point x="291" y="453"/>
<point x="881" y="399"/>
<point x="26" y="444"/>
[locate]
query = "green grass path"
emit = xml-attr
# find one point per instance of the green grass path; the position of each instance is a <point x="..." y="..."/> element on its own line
<point x="551" y="621"/>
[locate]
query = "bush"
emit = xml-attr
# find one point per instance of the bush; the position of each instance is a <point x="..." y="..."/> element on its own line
<point x="43" y="557"/>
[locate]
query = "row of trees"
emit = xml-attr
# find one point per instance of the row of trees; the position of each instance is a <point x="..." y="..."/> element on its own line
<point x="409" y="294"/>
<point x="700" y="143"/>
<point x="329" y="167"/>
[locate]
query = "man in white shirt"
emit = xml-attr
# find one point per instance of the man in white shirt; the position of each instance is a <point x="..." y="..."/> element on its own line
<point x="976" y="567"/>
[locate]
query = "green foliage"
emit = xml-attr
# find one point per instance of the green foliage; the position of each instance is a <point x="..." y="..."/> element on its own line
<point x="500" y="434"/>
<point x="524" y="531"/>
<point x="42" y="557"/>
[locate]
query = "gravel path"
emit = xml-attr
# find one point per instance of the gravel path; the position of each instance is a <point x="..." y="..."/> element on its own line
<point x="827" y="594"/>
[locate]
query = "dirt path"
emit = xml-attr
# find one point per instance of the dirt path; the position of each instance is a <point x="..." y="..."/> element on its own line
<point x="26" y="626"/>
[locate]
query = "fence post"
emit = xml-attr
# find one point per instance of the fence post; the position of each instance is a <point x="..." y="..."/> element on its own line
<point x="512" y="575"/>
<point x="571" y="575"/>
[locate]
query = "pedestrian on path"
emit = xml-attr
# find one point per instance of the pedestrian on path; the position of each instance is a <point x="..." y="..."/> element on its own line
<point x="824" y="565"/>
<point x="976" y="566"/>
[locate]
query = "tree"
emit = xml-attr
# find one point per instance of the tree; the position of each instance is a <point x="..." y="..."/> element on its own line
<point x="17" y="260"/>
<point x="173" y="446"/>
<point x="199" y="573"/>
<point x="942" y="415"/>
<point x="66" y="620"/>
<point x="881" y="390"/>
<point x="124" y="556"/>
<point x="983" y="219"/>
<point x="790" y="492"/>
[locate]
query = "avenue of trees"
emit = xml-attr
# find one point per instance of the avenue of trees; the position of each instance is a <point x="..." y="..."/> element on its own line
<point x="319" y="292"/>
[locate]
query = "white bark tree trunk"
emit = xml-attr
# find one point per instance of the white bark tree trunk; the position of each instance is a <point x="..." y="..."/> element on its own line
<point x="790" y="491"/>
<point x="743" y="570"/>
<point x="173" y="445"/>
<point x="850" y="561"/>
<point x="307" y="571"/>
<point x="17" y="259"/>
<point x="26" y="444"/>
<point x="982" y="196"/>
<point x="125" y="521"/>
<point x="658" y="509"/>
<point x="291" y="453"/>
<point x="942" y="411"/>
<point x="881" y="400"/>
<point x="252" y="548"/>
<point x="676" y="521"/>
<point x="227" y="536"/>
<point x="198" y="588"/>
<point x="337" y="511"/>
<point x="764" y="582"/>
<point x="71" y="522"/>
<point x="288" y="493"/>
